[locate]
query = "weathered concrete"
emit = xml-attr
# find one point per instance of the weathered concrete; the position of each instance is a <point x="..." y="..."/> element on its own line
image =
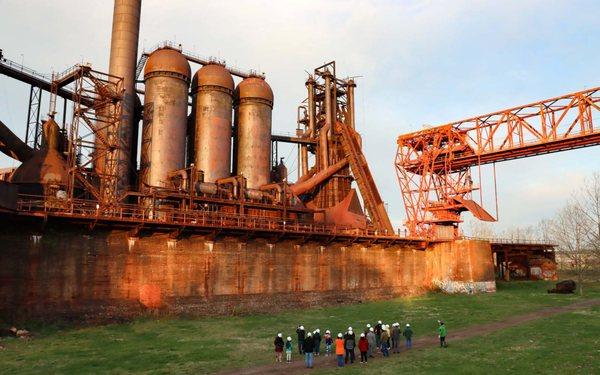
<point x="106" y="274"/>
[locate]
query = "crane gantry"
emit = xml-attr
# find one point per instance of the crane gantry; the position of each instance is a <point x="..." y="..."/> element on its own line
<point x="433" y="165"/>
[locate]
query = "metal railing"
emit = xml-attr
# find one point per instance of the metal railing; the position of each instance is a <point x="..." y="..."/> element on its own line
<point x="184" y="218"/>
<point x="510" y="241"/>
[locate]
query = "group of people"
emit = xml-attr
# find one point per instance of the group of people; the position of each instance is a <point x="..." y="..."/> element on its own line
<point x="378" y="338"/>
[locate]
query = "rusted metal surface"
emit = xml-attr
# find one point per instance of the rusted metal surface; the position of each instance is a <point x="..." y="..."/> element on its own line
<point x="122" y="64"/>
<point x="60" y="272"/>
<point x="362" y="175"/>
<point x="524" y="259"/>
<point x="200" y="221"/>
<point x="13" y="146"/>
<point x="167" y="78"/>
<point x="253" y="103"/>
<point x="212" y="90"/>
<point x="434" y="165"/>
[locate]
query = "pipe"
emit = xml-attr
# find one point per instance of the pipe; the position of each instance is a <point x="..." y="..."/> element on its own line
<point x="310" y="85"/>
<point x="323" y="147"/>
<point x="277" y="187"/>
<point x="303" y="160"/>
<point x="184" y="177"/>
<point x="233" y="180"/>
<point x="302" y="187"/>
<point x="123" y="60"/>
<point x="350" y="110"/>
<point x="13" y="146"/>
<point x="327" y="104"/>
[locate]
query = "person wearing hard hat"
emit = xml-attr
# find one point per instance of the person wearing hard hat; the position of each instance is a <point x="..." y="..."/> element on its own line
<point x="367" y="329"/>
<point x="372" y="341"/>
<point x="395" y="334"/>
<point x="363" y="346"/>
<point x="349" y="345"/>
<point x="278" y="347"/>
<point x="309" y="348"/>
<point x="385" y="337"/>
<point x="301" y="334"/>
<point x="442" y="334"/>
<point x="378" y="329"/>
<point x="339" y="350"/>
<point x="288" y="350"/>
<point x="408" y="333"/>
<point x="317" y="339"/>
<point x="328" y="342"/>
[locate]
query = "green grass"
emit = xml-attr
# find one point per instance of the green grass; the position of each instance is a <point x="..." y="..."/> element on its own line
<point x="205" y="345"/>
<point x="563" y="344"/>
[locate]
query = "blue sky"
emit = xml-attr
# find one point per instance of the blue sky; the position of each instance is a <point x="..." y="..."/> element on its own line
<point x="425" y="62"/>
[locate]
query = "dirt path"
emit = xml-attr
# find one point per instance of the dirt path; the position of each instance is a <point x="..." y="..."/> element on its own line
<point x="297" y="367"/>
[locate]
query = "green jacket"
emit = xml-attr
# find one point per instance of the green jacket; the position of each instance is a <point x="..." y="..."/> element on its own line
<point x="407" y="332"/>
<point x="442" y="331"/>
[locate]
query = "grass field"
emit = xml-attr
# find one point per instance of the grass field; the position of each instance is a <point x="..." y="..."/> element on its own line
<point x="212" y="344"/>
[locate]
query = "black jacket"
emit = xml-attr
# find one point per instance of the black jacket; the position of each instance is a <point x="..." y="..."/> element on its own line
<point x="349" y="341"/>
<point x="317" y="337"/>
<point x="278" y="342"/>
<point x="309" y="346"/>
<point x="301" y="334"/>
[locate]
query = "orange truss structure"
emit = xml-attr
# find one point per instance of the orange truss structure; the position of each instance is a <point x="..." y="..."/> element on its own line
<point x="434" y="165"/>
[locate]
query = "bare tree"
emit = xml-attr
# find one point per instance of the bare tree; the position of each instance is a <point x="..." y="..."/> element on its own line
<point x="590" y="204"/>
<point x="480" y="229"/>
<point x="570" y="231"/>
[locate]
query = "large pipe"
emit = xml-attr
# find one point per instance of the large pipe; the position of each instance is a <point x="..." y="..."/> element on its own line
<point x="12" y="146"/>
<point x="123" y="60"/>
<point x="311" y="183"/>
<point x="350" y="110"/>
<point x="310" y="86"/>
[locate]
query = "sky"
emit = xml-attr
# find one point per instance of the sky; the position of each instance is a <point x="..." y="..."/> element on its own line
<point x="418" y="63"/>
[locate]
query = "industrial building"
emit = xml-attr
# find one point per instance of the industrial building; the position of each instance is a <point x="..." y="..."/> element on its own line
<point x="210" y="221"/>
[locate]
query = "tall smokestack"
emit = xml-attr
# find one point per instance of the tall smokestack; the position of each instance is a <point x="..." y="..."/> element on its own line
<point x="123" y="60"/>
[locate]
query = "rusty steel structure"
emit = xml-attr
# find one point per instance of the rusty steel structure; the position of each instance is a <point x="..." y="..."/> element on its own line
<point x="327" y="118"/>
<point x="212" y="93"/>
<point x="166" y="78"/>
<point x="232" y="170"/>
<point x="434" y="165"/>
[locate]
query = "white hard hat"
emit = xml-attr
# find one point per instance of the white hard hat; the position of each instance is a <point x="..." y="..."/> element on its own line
<point x="339" y="335"/>
<point x="368" y="325"/>
<point x="289" y="338"/>
<point x="408" y="325"/>
<point x="371" y="329"/>
<point x="397" y="324"/>
<point x="318" y="330"/>
<point x="362" y="335"/>
<point x="328" y="331"/>
<point x="301" y="327"/>
<point x="350" y="331"/>
<point x="279" y="335"/>
<point x="309" y="334"/>
<point x="349" y="328"/>
<point x="379" y="322"/>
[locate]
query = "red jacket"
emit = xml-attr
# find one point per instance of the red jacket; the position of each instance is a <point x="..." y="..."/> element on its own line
<point x="363" y="344"/>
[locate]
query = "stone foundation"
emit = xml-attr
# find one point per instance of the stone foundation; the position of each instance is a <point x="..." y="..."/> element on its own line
<point x="67" y="273"/>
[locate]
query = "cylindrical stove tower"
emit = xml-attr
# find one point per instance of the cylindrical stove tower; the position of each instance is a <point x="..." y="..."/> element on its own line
<point x="253" y="102"/>
<point x="212" y="90"/>
<point x="166" y="77"/>
<point x="123" y="60"/>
